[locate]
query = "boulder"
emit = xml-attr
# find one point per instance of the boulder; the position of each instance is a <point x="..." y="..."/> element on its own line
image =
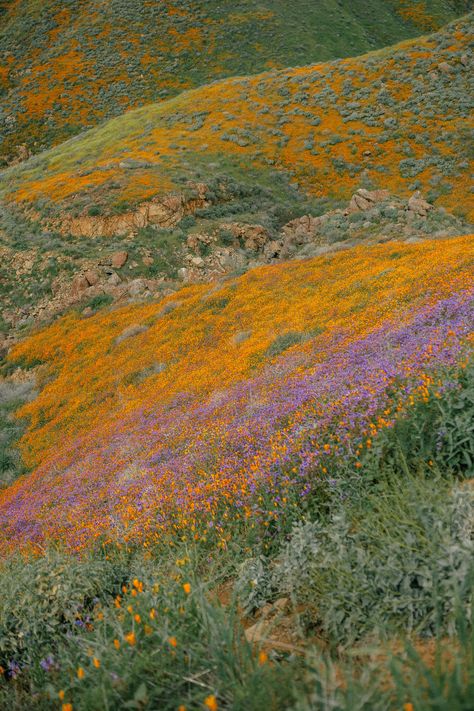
<point x="114" y="279"/>
<point x="137" y="287"/>
<point x="197" y="262"/>
<point x="92" y="277"/>
<point x="273" y="249"/>
<point x="252" y="237"/>
<point x="418" y="205"/>
<point x="365" y="199"/>
<point x="119" y="259"/>
<point x="79" y="285"/>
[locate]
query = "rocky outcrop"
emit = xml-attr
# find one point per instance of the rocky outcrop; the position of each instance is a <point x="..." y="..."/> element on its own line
<point x="418" y="205"/>
<point x="162" y="212"/>
<point x="210" y="254"/>
<point x="365" y="199"/>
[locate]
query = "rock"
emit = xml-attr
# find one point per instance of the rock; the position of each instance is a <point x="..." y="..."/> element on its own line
<point x="129" y="332"/>
<point x="88" y="312"/>
<point x="137" y="287"/>
<point x="79" y="285"/>
<point x="114" y="279"/>
<point x="92" y="277"/>
<point x="148" y="261"/>
<point x="253" y="237"/>
<point x="464" y="60"/>
<point x="197" y="262"/>
<point x="119" y="259"/>
<point x="183" y="274"/>
<point x="257" y="632"/>
<point x="273" y="249"/>
<point x="231" y="260"/>
<point x="303" y="230"/>
<point x="365" y="199"/>
<point x="241" y="337"/>
<point x="418" y="205"/>
<point x="281" y="605"/>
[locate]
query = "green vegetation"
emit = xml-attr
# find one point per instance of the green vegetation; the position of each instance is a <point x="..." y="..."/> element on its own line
<point x="12" y="396"/>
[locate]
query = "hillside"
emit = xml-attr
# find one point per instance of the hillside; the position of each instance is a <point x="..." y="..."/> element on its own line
<point x="236" y="355"/>
<point x="193" y="391"/>
<point x="263" y="485"/>
<point x="397" y="119"/>
<point x="65" y="66"/>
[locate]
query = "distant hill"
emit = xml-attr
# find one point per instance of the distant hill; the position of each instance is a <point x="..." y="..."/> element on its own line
<point x="398" y="118"/>
<point x="67" y="65"/>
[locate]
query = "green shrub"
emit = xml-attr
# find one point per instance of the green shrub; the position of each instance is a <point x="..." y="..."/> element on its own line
<point x="439" y="430"/>
<point x="100" y="301"/>
<point x="43" y="599"/>
<point x="284" y="341"/>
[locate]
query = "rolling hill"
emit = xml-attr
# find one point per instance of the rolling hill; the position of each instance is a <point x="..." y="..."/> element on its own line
<point x="66" y="66"/>
<point x="398" y="119"/>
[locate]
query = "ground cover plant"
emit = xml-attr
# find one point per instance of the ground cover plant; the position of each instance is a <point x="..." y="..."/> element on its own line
<point x="66" y="66"/>
<point x="210" y="417"/>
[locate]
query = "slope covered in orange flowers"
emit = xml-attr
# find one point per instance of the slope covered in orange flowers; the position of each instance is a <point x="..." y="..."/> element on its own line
<point x="65" y="66"/>
<point x="127" y="393"/>
<point x="398" y="119"/>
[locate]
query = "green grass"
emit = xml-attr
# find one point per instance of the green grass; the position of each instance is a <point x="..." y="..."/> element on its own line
<point x="12" y="396"/>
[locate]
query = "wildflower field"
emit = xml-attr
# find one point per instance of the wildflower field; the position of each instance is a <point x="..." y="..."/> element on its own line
<point x="204" y="431"/>
<point x="236" y="442"/>
<point x="257" y="384"/>
<point x="65" y="66"/>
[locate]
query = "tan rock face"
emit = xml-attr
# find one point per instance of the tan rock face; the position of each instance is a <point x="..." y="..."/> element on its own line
<point x="252" y="237"/>
<point x="365" y="199"/>
<point x="163" y="212"/>
<point x="119" y="259"/>
<point x="418" y="205"/>
<point x="79" y="284"/>
<point x="92" y="277"/>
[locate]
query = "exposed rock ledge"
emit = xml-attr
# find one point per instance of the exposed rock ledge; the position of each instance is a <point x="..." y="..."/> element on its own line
<point x="165" y="212"/>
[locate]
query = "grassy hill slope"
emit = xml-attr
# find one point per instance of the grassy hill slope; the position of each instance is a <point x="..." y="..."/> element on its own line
<point x="398" y="118"/>
<point x="65" y="66"/>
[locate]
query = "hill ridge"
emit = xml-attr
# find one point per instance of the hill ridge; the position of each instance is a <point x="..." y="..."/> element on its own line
<point x="280" y="120"/>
